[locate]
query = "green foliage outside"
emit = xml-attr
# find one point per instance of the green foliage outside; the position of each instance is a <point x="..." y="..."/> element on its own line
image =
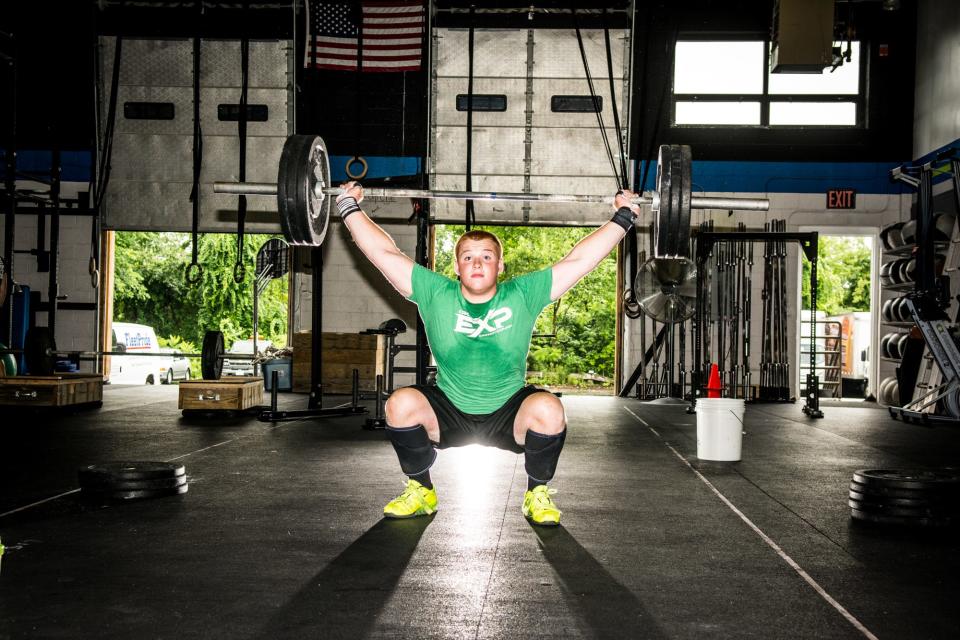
<point x="150" y="289"/>
<point x="583" y="319"/>
<point x="843" y="275"/>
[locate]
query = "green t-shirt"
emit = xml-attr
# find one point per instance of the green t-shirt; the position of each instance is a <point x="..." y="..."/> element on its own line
<point x="480" y="349"/>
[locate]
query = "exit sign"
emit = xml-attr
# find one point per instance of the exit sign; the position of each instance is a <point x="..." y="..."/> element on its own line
<point x="841" y="198"/>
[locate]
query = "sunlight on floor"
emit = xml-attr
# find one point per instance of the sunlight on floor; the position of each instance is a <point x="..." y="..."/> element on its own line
<point x="473" y="466"/>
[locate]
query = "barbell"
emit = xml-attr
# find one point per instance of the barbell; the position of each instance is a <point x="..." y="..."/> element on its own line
<point x="305" y="195"/>
<point x="40" y="352"/>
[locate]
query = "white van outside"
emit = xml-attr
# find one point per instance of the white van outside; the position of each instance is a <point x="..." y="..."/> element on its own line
<point x="131" y="369"/>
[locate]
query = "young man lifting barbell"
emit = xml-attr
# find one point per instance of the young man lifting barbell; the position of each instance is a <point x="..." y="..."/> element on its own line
<point x="479" y="333"/>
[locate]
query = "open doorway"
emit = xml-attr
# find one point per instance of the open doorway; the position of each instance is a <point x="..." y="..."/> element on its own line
<point x="844" y="316"/>
<point x="154" y="310"/>
<point x="574" y="341"/>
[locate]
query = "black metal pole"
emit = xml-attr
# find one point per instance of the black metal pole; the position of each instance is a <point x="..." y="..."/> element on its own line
<point x="422" y="256"/>
<point x="316" y="329"/>
<point x="812" y="408"/>
<point x="355" y="387"/>
<point x="926" y="253"/>
<point x="274" y="383"/>
<point x="9" y="235"/>
<point x="53" y="280"/>
<point x="10" y="184"/>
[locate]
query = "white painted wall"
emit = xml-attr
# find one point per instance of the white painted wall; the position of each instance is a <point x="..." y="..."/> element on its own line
<point x="76" y="330"/>
<point x="937" y="94"/>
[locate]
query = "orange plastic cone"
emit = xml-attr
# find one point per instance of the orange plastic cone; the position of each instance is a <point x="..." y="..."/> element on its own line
<point x="713" y="384"/>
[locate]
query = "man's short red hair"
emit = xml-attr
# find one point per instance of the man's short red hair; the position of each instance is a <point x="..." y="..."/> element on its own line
<point x="478" y="234"/>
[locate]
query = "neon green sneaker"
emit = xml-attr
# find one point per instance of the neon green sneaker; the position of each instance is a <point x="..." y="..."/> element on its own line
<point x="416" y="500"/>
<point x="539" y="508"/>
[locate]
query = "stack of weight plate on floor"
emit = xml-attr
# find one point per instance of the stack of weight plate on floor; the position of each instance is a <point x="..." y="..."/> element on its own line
<point x="133" y="480"/>
<point x="920" y="498"/>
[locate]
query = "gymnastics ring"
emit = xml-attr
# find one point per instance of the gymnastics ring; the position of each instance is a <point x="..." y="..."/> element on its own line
<point x="239" y="272"/>
<point x="193" y="273"/>
<point x="350" y="162"/>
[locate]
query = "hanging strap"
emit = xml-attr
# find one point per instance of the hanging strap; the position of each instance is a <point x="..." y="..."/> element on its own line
<point x="593" y="98"/>
<point x="357" y="90"/>
<point x="239" y="269"/>
<point x="613" y="104"/>
<point x="469" y="214"/>
<point x="194" y="271"/>
<point x="631" y="239"/>
<point x="103" y="168"/>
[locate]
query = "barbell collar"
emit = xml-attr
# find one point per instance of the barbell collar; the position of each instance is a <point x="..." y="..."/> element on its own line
<point x="696" y="202"/>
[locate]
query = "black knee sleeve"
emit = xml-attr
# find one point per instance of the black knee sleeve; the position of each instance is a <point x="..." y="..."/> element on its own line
<point x="541" y="454"/>
<point x="413" y="448"/>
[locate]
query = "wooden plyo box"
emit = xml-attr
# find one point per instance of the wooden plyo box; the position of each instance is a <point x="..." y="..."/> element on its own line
<point x="60" y="390"/>
<point x="341" y="353"/>
<point x="230" y="393"/>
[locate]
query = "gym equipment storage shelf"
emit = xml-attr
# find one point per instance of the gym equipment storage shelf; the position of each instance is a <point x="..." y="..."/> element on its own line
<point x="908" y="249"/>
<point x="901" y="287"/>
<point x="60" y="390"/>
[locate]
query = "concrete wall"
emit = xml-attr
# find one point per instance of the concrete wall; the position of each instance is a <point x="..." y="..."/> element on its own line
<point x="937" y="115"/>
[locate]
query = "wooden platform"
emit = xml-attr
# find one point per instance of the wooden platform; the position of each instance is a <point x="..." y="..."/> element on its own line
<point x="60" y="390"/>
<point x="230" y="393"/>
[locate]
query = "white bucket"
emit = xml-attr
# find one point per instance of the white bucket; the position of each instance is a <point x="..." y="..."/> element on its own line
<point x="719" y="429"/>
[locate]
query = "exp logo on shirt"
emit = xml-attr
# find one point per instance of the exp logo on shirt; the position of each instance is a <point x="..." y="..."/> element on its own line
<point x="494" y="322"/>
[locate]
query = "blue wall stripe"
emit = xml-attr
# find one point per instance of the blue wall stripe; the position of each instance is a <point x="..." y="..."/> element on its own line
<point x="763" y="177"/>
<point x="788" y="177"/>
<point x="377" y="167"/>
<point x="75" y="164"/>
<point x="708" y="175"/>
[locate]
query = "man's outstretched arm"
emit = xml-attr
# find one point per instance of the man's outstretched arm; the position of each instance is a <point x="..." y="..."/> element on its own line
<point x="587" y="254"/>
<point x="374" y="242"/>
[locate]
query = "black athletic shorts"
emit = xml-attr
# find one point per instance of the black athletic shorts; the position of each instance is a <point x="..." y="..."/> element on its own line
<point x="458" y="429"/>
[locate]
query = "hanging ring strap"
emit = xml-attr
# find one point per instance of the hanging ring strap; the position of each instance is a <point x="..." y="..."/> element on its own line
<point x="363" y="168"/>
<point x="613" y="104"/>
<point x="99" y="186"/>
<point x="239" y="269"/>
<point x="194" y="271"/>
<point x="593" y="98"/>
<point x="94" y="273"/>
<point x="470" y="216"/>
<point x="106" y="150"/>
<point x="239" y="272"/>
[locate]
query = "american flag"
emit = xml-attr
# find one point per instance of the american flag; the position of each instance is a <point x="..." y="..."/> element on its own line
<point x="391" y="40"/>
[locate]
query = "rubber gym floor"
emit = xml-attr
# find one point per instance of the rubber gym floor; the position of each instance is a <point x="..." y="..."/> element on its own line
<point x="281" y="534"/>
